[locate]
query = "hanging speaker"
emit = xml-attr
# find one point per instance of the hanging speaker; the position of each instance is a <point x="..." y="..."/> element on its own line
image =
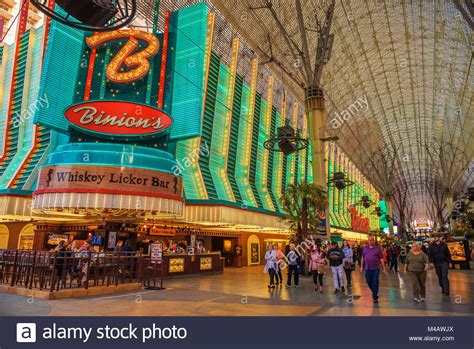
<point x="284" y="143"/>
<point x="90" y="15"/>
<point x="95" y="13"/>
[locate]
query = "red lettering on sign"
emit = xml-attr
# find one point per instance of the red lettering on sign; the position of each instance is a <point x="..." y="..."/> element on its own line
<point x="121" y="119"/>
<point x="359" y="223"/>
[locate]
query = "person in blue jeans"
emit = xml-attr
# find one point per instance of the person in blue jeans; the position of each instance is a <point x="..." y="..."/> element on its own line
<point x="372" y="261"/>
<point x="293" y="260"/>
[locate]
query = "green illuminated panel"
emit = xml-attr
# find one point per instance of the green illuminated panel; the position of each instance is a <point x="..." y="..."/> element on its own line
<point x="382" y="222"/>
<point x="244" y="144"/>
<point x="187" y="153"/>
<point x="254" y="151"/>
<point x="277" y="170"/>
<point x="273" y="166"/>
<point x="234" y="137"/>
<point x="208" y="124"/>
<point x="57" y="71"/>
<point x="286" y="161"/>
<point x="220" y="134"/>
<point x="14" y="127"/>
<point x="261" y="173"/>
<point x="309" y="169"/>
<point x="27" y="134"/>
<point x="188" y="73"/>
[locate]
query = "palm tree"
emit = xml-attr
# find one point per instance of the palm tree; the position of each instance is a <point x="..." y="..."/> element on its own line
<point x="304" y="205"/>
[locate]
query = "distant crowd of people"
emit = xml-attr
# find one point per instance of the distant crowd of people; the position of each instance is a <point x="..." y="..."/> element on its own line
<point x="371" y="260"/>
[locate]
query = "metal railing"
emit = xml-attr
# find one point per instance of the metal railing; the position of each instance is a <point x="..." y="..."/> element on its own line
<point x="54" y="271"/>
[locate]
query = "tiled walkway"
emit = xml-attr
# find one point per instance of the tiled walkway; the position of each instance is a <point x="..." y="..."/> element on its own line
<point x="244" y="292"/>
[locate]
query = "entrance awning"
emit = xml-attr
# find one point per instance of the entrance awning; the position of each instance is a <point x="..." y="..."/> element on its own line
<point x="220" y="213"/>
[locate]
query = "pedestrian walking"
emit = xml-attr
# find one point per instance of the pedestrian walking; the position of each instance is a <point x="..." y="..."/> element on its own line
<point x="372" y="260"/>
<point x="348" y="261"/>
<point x="279" y="256"/>
<point x="270" y="266"/>
<point x="293" y="260"/>
<point x="440" y="259"/>
<point x="393" y="256"/>
<point x="335" y="255"/>
<point x="417" y="264"/>
<point x="316" y="266"/>
<point x="403" y="254"/>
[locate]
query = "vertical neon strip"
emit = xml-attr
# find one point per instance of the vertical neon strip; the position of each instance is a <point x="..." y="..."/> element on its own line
<point x="230" y="97"/>
<point x="20" y="30"/>
<point x="330" y="188"/>
<point x="156" y="17"/>
<point x="294" y="124"/>
<point x="2" y="26"/>
<point x="196" y="143"/>
<point x="347" y="198"/>
<point x="47" y="25"/>
<point x="220" y="134"/>
<point x="338" y="192"/>
<point x="190" y="146"/>
<point x="304" y="153"/>
<point x="36" y="128"/>
<point x="90" y="72"/>
<point x="327" y="150"/>
<point x="248" y="138"/>
<point x="262" y="154"/>
<point x="342" y="206"/>
<point x="279" y="154"/>
<point x="222" y="127"/>
<point x="164" y="53"/>
<point x="4" y="72"/>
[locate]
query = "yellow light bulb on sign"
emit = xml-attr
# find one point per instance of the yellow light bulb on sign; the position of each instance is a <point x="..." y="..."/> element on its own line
<point x="138" y="61"/>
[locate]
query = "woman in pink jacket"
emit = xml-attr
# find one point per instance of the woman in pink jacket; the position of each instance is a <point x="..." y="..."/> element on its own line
<point x="316" y="266"/>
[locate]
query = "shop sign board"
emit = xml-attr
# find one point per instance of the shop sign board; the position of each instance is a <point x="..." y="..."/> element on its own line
<point x="156" y="253"/>
<point x="358" y="222"/>
<point x="162" y="232"/>
<point x="54" y="239"/>
<point x="118" y="119"/>
<point x="109" y="180"/>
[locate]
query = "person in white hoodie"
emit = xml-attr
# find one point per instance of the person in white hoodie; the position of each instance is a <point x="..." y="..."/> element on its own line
<point x="270" y="266"/>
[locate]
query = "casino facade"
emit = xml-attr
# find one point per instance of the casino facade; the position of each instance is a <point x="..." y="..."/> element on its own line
<point x="155" y="133"/>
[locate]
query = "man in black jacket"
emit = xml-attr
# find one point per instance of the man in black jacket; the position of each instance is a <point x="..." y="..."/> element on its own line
<point x="440" y="259"/>
<point x="335" y="255"/>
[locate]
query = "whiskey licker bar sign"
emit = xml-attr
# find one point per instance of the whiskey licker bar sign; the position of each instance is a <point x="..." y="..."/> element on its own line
<point x="109" y="180"/>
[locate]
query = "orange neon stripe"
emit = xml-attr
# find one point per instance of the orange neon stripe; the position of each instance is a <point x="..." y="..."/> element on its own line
<point x="20" y="31"/>
<point x="163" y="60"/>
<point x="90" y="71"/>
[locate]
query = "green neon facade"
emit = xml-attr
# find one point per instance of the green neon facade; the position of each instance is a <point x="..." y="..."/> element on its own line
<point x="221" y="120"/>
